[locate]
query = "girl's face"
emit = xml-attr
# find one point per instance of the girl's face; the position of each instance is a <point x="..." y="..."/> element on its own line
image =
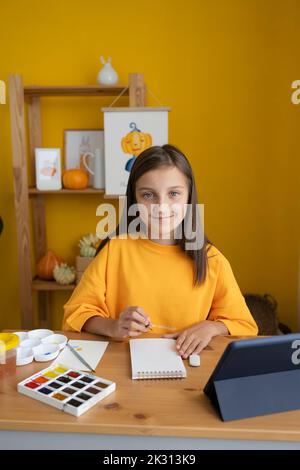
<point x="162" y="194"/>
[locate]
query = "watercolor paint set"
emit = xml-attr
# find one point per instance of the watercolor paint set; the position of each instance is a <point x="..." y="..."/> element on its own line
<point x="67" y="389"/>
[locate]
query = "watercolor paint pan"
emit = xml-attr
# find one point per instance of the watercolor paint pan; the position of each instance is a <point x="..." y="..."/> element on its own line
<point x="69" y="390"/>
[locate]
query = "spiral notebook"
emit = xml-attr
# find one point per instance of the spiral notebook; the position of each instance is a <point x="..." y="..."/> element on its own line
<point x="155" y="358"/>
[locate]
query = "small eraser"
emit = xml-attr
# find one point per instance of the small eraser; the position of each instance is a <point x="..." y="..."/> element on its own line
<point x="194" y="360"/>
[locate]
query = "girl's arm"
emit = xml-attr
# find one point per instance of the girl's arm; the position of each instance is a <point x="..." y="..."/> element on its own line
<point x="87" y="310"/>
<point x="229" y="314"/>
<point x="194" y="339"/>
<point x="132" y="322"/>
<point x="99" y="326"/>
<point x="229" y="305"/>
<point x="88" y="298"/>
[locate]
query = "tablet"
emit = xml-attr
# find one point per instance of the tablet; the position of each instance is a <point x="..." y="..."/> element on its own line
<point x="252" y="359"/>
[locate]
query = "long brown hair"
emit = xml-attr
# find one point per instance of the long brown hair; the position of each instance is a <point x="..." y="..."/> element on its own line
<point x="150" y="159"/>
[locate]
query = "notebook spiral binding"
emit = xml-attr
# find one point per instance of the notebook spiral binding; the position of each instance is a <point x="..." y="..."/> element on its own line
<point x="168" y="374"/>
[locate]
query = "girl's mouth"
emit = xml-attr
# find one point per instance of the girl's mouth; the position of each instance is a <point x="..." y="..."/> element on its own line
<point x="162" y="218"/>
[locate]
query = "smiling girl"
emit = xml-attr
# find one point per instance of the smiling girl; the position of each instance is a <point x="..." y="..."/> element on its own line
<point x="167" y="278"/>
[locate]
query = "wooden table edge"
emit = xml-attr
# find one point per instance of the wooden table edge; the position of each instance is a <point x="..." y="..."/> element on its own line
<point x="163" y="431"/>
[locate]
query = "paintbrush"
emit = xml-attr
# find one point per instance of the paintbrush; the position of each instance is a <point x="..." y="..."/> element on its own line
<point x="163" y="327"/>
<point x="80" y="358"/>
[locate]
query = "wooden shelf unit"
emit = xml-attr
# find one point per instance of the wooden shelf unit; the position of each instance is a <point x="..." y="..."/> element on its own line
<point x="40" y="285"/>
<point x="35" y="192"/>
<point x="90" y="90"/>
<point x="32" y="95"/>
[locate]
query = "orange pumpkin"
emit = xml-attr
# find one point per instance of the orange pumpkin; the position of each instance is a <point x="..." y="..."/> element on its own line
<point x="136" y="141"/>
<point x="75" y="179"/>
<point x="46" y="265"/>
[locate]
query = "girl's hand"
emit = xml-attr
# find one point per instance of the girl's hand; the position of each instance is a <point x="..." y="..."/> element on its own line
<point x="133" y="321"/>
<point x="196" y="338"/>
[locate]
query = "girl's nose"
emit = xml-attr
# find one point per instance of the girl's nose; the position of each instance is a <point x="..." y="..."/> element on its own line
<point x="161" y="209"/>
<point x="162" y="199"/>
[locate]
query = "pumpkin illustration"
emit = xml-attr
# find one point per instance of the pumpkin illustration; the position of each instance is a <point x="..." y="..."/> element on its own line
<point x="136" y="141"/>
<point x="64" y="274"/>
<point x="46" y="265"/>
<point x="75" y="178"/>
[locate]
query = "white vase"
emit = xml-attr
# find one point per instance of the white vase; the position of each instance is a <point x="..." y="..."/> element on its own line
<point x="107" y="75"/>
<point x="98" y="167"/>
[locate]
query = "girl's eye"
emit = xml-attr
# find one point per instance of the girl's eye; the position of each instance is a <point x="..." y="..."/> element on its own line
<point x="147" y="195"/>
<point x="151" y="195"/>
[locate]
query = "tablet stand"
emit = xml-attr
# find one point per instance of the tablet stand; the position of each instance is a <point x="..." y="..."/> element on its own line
<point x="244" y="397"/>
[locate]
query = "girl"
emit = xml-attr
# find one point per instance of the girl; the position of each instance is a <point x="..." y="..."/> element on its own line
<point x="166" y="282"/>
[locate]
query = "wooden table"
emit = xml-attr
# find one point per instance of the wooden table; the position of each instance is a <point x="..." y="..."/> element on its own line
<point x="158" y="414"/>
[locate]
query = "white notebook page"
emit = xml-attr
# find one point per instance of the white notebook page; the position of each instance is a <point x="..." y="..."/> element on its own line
<point x="91" y="351"/>
<point x="155" y="358"/>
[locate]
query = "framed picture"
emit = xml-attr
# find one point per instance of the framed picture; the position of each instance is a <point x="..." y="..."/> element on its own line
<point x="80" y="146"/>
<point x="48" y="168"/>
<point x="127" y="132"/>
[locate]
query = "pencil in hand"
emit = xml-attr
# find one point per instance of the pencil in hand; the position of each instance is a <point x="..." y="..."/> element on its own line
<point x="161" y="327"/>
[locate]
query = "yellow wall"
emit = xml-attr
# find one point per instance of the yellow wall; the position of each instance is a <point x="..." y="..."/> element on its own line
<point x="225" y="67"/>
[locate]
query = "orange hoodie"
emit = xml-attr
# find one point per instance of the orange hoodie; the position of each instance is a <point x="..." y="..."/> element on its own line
<point x="158" y="278"/>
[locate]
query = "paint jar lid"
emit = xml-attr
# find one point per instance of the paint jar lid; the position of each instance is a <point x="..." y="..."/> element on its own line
<point x="9" y="340"/>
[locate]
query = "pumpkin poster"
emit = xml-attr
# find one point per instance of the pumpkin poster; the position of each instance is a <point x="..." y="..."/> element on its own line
<point x="127" y="132"/>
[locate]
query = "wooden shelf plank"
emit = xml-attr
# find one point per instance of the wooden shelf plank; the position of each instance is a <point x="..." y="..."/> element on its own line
<point x="35" y="191"/>
<point x="113" y="196"/>
<point x="80" y="90"/>
<point x="40" y="285"/>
